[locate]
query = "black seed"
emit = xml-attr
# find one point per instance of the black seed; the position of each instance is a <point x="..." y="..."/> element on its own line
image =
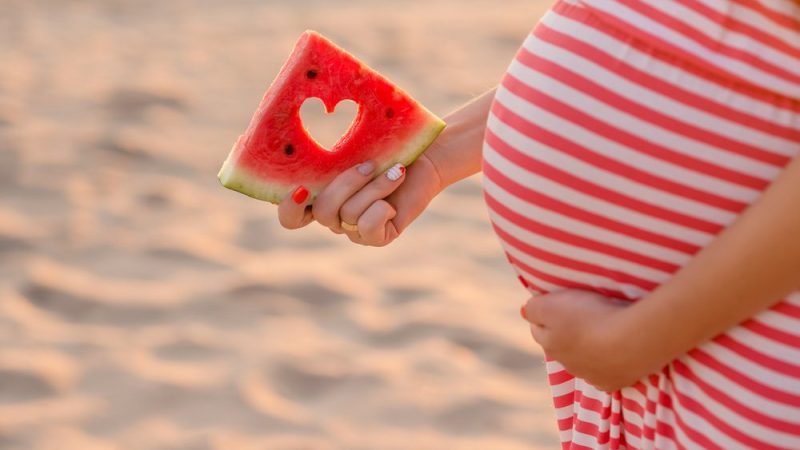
<point x="311" y="74"/>
<point x="389" y="113"/>
<point x="289" y="149"/>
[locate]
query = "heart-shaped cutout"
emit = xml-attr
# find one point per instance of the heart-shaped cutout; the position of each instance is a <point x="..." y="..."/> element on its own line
<point x="327" y="128"/>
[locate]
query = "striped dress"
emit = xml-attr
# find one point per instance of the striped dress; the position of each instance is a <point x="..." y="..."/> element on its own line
<point x="624" y="137"/>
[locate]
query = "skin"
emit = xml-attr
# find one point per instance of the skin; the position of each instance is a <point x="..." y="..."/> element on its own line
<point x="749" y="267"/>
<point x="746" y="269"/>
<point x="382" y="208"/>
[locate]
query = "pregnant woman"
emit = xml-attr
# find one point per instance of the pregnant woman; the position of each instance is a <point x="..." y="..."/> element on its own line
<point x="640" y="170"/>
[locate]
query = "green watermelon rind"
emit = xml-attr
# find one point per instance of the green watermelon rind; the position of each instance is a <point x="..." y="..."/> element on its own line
<point x="238" y="179"/>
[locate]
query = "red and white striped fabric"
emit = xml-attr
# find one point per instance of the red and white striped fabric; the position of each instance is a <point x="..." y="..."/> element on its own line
<point x="624" y="137"/>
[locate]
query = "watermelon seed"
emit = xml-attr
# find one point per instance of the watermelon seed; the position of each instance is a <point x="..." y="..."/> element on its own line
<point x="311" y="74"/>
<point x="289" y="149"/>
<point x="389" y="113"/>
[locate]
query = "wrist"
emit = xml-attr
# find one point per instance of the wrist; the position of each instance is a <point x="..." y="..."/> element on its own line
<point x="456" y="153"/>
<point x="655" y="337"/>
<point x="430" y="159"/>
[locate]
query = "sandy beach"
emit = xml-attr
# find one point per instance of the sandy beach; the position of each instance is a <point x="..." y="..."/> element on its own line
<point x="143" y="306"/>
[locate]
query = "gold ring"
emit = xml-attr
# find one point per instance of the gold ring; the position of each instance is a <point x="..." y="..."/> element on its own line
<point x="349" y="226"/>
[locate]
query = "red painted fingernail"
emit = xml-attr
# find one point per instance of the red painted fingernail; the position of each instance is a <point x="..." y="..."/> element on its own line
<point x="300" y="195"/>
<point x="522" y="312"/>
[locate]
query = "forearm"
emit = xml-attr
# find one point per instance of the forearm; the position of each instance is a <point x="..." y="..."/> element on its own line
<point x="747" y="268"/>
<point x="456" y="154"/>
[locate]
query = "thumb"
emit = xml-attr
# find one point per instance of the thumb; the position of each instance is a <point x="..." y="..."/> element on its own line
<point x="414" y="195"/>
<point x="293" y="210"/>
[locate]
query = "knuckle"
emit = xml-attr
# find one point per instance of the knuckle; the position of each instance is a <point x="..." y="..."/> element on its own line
<point x="285" y="223"/>
<point x="348" y="212"/>
<point x="543" y="306"/>
<point x="382" y="243"/>
<point x="323" y="214"/>
<point x="371" y="231"/>
<point x="367" y="227"/>
<point x="536" y="335"/>
<point x="375" y="243"/>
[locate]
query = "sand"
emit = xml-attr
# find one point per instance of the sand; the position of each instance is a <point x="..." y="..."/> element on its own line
<point x="142" y="306"/>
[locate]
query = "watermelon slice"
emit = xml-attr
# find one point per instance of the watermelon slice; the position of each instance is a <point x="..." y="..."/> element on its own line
<point x="276" y="154"/>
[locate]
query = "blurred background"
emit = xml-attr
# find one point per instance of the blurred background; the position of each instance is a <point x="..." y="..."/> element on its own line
<point x="143" y="306"/>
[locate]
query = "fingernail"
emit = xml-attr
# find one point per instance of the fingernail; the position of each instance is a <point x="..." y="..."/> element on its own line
<point x="300" y="195"/>
<point x="395" y="172"/>
<point x="522" y="312"/>
<point x="366" y="168"/>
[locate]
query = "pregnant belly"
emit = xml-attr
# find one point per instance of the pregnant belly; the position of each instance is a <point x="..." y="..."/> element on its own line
<point x="608" y="182"/>
<point x="607" y="167"/>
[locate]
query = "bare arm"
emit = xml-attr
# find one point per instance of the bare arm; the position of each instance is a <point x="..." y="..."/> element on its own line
<point x="746" y="269"/>
<point x="458" y="154"/>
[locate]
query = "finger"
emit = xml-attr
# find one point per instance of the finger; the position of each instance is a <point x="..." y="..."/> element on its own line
<point x="535" y="310"/>
<point x="377" y="189"/>
<point x="375" y="225"/>
<point x="293" y="210"/>
<point x="329" y="201"/>
<point x="539" y="335"/>
<point x="422" y="175"/>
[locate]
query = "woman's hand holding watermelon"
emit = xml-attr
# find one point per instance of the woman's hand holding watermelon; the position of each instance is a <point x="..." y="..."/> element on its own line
<point x="382" y="207"/>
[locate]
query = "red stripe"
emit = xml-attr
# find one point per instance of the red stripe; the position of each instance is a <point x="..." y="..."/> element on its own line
<point x="564" y="400"/>
<point x="723" y="427"/>
<point x="589" y="428"/>
<point x="626" y="138"/>
<point x="633" y="406"/>
<point x="732" y="23"/>
<point x="694" y="435"/>
<point x="589" y="403"/>
<point x="560" y="235"/>
<point x="775" y="334"/>
<point x="698" y="67"/>
<point x="581" y="266"/>
<point x="762" y="359"/>
<point x="566" y="423"/>
<point x="734" y="406"/>
<point x="777" y="17"/>
<point x="787" y="309"/>
<point x="531" y="285"/>
<point x="635" y="109"/>
<point x="716" y="46"/>
<point x="565" y="178"/>
<point x="633" y="430"/>
<point x="611" y="62"/>
<point x="666" y="430"/>
<point x="661" y="428"/>
<point x="550" y="203"/>
<point x="564" y="283"/>
<point x="562" y="376"/>
<point x="753" y="385"/>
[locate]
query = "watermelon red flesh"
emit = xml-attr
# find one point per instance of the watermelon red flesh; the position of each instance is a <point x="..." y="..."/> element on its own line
<point x="276" y="154"/>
